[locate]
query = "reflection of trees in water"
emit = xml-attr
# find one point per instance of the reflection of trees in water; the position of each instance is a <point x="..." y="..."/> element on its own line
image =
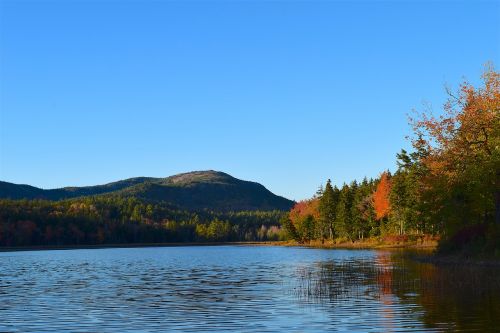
<point x="466" y="296"/>
<point x="453" y="297"/>
<point x="332" y="281"/>
<point x="346" y="279"/>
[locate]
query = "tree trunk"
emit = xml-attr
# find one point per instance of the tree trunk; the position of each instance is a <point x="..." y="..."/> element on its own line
<point x="497" y="206"/>
<point x="497" y="198"/>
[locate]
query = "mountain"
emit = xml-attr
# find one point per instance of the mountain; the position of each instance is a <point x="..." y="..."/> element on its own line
<point x="198" y="190"/>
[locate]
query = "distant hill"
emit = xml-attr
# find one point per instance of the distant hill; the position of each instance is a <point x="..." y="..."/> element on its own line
<point x="196" y="190"/>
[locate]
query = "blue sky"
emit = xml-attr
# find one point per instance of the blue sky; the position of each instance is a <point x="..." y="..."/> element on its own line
<point x="284" y="93"/>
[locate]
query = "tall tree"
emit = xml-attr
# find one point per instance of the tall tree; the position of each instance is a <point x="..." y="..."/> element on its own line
<point x="404" y="196"/>
<point x="327" y="207"/>
<point x="358" y="227"/>
<point x="365" y="209"/>
<point x="381" y="202"/>
<point x="463" y="153"/>
<point x="343" y="212"/>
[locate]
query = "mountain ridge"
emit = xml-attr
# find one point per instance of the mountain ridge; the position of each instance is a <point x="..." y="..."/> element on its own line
<point x="195" y="190"/>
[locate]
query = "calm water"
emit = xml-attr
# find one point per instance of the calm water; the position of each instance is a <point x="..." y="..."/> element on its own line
<point x="241" y="288"/>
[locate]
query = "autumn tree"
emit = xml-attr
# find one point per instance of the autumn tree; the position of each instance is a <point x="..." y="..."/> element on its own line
<point x="462" y="185"/>
<point x="304" y="216"/>
<point x="381" y="202"/>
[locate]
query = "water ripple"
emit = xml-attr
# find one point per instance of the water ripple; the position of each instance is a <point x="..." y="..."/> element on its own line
<point x="226" y="288"/>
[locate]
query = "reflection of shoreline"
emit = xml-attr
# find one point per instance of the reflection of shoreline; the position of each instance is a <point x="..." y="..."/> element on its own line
<point x="447" y="260"/>
<point x="439" y="297"/>
<point x="365" y="245"/>
<point x="126" y="246"/>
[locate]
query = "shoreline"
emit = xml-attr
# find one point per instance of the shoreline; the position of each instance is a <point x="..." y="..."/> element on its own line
<point x="369" y="244"/>
<point x="116" y="246"/>
<point x="365" y="245"/>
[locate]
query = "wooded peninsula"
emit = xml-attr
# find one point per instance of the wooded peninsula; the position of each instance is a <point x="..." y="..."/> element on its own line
<point x="447" y="187"/>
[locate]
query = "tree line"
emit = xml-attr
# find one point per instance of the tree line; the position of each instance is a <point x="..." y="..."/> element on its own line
<point x="448" y="185"/>
<point x="118" y="220"/>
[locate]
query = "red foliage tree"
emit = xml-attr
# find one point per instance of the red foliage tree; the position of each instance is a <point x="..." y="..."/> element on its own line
<point x="381" y="202"/>
<point x="304" y="208"/>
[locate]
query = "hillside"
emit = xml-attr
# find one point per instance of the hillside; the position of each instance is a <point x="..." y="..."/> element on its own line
<point x="198" y="190"/>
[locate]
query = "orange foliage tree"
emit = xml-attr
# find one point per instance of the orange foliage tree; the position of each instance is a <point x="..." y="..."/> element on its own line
<point x="304" y="216"/>
<point x="304" y="208"/>
<point x="381" y="202"/>
<point x="462" y="153"/>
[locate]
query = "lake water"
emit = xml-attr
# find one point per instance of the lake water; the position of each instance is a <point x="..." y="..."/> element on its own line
<point x="241" y="288"/>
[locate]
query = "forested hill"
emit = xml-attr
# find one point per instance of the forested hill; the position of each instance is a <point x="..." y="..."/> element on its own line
<point x="198" y="190"/>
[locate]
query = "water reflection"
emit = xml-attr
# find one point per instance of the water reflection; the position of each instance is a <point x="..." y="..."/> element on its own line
<point x="442" y="298"/>
<point x="244" y="289"/>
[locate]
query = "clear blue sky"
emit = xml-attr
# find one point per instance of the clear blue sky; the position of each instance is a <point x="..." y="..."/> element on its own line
<point x="284" y="93"/>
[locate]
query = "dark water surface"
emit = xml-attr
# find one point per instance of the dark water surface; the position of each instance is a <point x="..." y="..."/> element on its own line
<point x="241" y="288"/>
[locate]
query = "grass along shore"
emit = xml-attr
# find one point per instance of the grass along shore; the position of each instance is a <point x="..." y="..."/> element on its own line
<point x="367" y="243"/>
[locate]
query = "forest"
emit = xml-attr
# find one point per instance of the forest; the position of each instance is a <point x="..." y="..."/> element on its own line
<point x="447" y="186"/>
<point x="99" y="220"/>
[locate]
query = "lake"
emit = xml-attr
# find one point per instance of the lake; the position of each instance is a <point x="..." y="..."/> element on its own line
<point x="241" y="288"/>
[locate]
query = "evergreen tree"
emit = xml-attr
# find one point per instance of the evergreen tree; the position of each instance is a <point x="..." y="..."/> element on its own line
<point x="404" y="196"/>
<point x="289" y="228"/>
<point x="343" y="212"/>
<point x="307" y="228"/>
<point x="327" y="209"/>
<point x="357" y="228"/>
